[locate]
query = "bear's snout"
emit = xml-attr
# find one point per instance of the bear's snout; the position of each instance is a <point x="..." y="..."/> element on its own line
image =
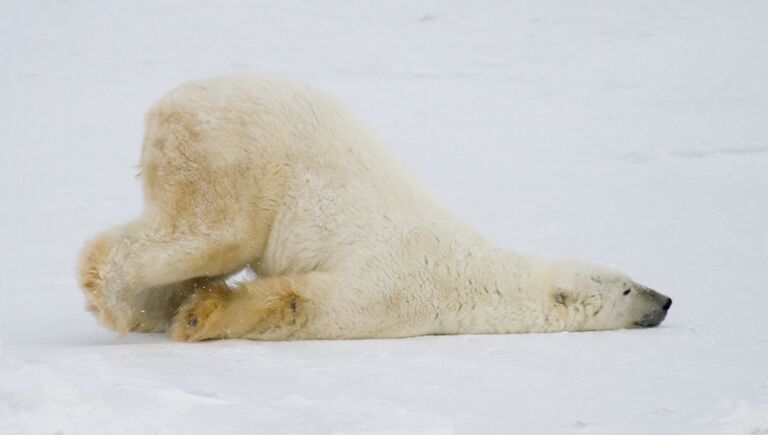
<point x="668" y="304"/>
<point x="657" y="306"/>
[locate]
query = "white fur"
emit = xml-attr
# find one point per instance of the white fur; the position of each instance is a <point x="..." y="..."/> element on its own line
<point x="270" y="173"/>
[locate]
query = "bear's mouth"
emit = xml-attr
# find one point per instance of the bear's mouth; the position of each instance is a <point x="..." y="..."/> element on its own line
<point x="654" y="318"/>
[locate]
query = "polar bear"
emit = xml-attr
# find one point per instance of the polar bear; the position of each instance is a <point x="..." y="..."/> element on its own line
<point x="264" y="172"/>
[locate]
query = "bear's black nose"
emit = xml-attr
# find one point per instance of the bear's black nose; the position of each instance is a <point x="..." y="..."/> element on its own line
<point x="668" y="304"/>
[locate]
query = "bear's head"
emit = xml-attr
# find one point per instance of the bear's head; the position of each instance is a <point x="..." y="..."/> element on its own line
<point x="588" y="297"/>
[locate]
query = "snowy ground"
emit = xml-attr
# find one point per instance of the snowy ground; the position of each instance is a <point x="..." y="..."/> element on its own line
<point x="622" y="132"/>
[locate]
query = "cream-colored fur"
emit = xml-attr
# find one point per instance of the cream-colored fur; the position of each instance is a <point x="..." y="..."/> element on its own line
<point x="259" y="171"/>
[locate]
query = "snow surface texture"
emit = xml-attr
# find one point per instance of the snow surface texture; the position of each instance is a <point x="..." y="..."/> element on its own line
<point x="621" y="132"/>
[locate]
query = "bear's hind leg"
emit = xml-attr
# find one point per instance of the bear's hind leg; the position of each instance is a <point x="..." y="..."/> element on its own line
<point x="119" y="267"/>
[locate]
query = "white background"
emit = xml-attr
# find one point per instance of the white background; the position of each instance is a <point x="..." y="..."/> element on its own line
<point x="628" y="133"/>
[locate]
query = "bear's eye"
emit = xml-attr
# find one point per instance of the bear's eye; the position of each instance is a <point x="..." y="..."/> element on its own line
<point x="626" y="292"/>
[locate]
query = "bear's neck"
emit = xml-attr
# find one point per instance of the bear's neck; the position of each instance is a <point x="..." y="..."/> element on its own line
<point x="496" y="291"/>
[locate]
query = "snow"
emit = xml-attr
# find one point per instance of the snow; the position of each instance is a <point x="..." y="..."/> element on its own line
<point x="625" y="133"/>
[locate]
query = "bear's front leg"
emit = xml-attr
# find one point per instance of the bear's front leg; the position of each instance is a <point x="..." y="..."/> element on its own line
<point x="272" y="308"/>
